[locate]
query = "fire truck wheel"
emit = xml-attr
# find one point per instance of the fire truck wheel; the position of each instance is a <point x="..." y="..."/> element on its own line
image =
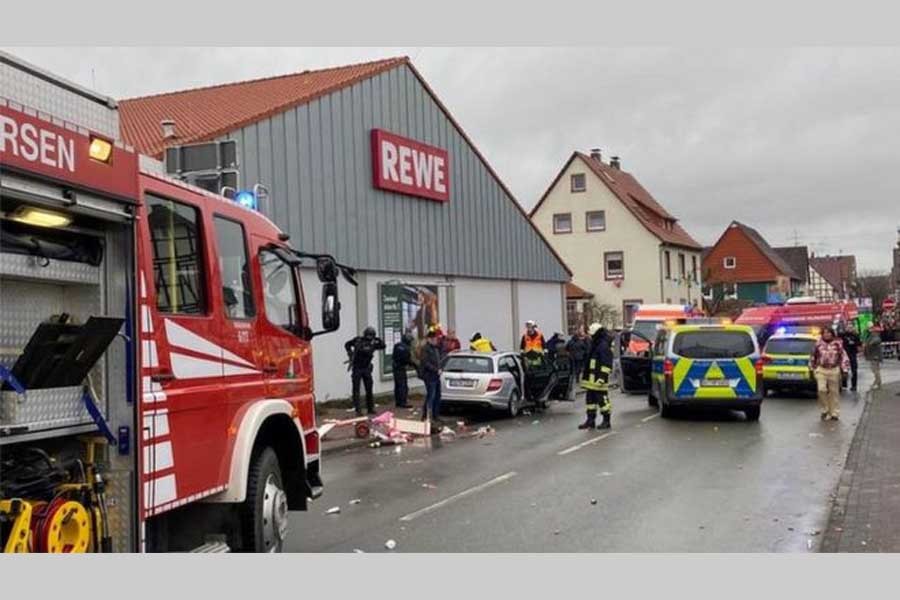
<point x="265" y="511"/>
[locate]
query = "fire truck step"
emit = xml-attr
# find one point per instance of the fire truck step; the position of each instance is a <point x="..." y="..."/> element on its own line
<point x="212" y="548"/>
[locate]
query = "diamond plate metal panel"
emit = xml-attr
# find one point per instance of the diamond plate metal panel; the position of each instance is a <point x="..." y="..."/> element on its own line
<point x="43" y="409"/>
<point x="120" y="490"/>
<point x="45" y="96"/>
<point x="30" y="267"/>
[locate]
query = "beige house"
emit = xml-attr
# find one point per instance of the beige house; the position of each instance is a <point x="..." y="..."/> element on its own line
<point x="620" y="243"/>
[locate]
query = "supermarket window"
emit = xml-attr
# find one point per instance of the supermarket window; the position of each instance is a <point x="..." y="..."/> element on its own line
<point x="596" y="220"/>
<point x="177" y="245"/>
<point x="562" y="223"/>
<point x="234" y="269"/>
<point x="614" y="265"/>
<point x="730" y="262"/>
<point x="579" y="184"/>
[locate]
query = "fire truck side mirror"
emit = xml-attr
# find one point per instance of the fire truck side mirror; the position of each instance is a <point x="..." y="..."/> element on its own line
<point x="327" y="270"/>
<point x="331" y="307"/>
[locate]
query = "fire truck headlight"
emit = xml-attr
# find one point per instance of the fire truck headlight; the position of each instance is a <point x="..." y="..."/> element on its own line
<point x="100" y="150"/>
<point x="40" y="217"/>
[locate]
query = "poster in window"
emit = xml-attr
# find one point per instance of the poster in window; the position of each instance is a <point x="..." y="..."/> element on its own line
<point x="405" y="308"/>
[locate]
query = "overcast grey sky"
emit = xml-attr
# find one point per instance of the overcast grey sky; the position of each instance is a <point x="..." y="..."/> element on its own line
<point x="795" y="142"/>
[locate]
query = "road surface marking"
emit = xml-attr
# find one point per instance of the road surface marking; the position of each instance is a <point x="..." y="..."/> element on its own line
<point x="653" y="416"/>
<point x="583" y="444"/>
<point x="462" y="494"/>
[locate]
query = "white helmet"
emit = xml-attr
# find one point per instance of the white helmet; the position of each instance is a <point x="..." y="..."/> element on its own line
<point x="530" y="323"/>
<point x="594" y="328"/>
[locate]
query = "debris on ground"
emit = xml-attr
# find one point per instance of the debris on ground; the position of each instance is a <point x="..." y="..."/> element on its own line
<point x="557" y="533"/>
<point x="536" y="422"/>
<point x="358" y="551"/>
<point x="390" y="544"/>
<point x="863" y="543"/>
<point x="605" y="474"/>
<point x="593" y="501"/>
<point x="790" y="528"/>
<point x="429" y="486"/>
<point x="526" y="413"/>
<point x="398" y="449"/>
<point x="355" y="501"/>
<point x="812" y="435"/>
<point x="484" y="430"/>
<point x="447" y="433"/>
<point x="813" y="532"/>
<point x="333" y="510"/>
<point x="701" y="527"/>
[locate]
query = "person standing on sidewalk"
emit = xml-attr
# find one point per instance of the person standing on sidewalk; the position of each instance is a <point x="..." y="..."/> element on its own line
<point x="596" y="378"/>
<point x="578" y="348"/>
<point x="360" y="352"/>
<point x="827" y="361"/>
<point x="874" y="354"/>
<point x="401" y="360"/>
<point x="851" y="341"/>
<point x="430" y="372"/>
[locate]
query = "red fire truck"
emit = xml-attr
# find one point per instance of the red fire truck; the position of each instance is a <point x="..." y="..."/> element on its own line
<point x="765" y="320"/>
<point x="155" y="349"/>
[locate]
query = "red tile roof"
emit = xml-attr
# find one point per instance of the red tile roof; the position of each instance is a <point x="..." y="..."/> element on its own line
<point x="206" y="113"/>
<point x="650" y="213"/>
<point x="573" y="292"/>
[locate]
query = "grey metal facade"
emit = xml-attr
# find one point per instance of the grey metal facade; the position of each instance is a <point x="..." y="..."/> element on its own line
<point x="316" y="161"/>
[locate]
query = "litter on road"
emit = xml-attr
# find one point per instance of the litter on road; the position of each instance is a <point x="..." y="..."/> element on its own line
<point x="593" y="501"/>
<point x="333" y="510"/>
<point x="358" y="551"/>
<point x="355" y="501"/>
<point x="390" y="544"/>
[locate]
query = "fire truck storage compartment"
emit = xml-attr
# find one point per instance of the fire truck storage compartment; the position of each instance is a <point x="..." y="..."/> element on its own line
<point x="83" y="268"/>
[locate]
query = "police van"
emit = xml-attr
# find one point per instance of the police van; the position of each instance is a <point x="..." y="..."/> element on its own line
<point x="708" y="364"/>
<point x="786" y="360"/>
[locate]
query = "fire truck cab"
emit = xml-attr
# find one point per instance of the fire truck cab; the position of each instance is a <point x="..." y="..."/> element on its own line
<point x="155" y="349"/>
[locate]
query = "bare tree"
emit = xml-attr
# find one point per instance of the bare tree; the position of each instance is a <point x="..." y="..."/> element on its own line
<point x="875" y="285"/>
<point x="605" y="314"/>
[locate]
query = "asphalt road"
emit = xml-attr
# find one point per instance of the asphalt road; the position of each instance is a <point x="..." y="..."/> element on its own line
<point x="703" y="482"/>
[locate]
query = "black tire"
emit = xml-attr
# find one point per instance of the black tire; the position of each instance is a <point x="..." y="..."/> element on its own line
<point x="514" y="406"/>
<point x="260" y="531"/>
<point x="752" y="413"/>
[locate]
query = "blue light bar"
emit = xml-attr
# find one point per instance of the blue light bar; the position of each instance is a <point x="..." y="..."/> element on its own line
<point x="246" y="199"/>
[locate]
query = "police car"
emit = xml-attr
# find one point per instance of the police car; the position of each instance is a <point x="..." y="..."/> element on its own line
<point x="709" y="364"/>
<point x="786" y="360"/>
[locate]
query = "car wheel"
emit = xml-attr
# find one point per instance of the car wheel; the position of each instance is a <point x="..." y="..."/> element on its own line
<point x="752" y="414"/>
<point x="265" y="512"/>
<point x="514" y="404"/>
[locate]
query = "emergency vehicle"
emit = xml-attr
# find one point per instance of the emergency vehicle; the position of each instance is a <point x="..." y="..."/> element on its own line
<point x="716" y="365"/>
<point x="649" y="317"/>
<point x="155" y="348"/>
<point x="808" y="312"/>
<point x="786" y="359"/>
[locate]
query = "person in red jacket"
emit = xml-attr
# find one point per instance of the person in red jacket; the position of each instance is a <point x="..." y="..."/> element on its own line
<point x="827" y="361"/>
<point x="450" y="343"/>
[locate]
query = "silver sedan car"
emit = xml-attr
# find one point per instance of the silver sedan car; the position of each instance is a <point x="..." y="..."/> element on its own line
<point x="493" y="380"/>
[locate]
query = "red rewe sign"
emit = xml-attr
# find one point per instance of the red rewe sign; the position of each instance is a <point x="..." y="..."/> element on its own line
<point x="31" y="144"/>
<point x="409" y="167"/>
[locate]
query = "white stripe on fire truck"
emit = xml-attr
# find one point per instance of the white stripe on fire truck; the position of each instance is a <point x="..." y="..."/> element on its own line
<point x="156" y="424"/>
<point x="146" y="319"/>
<point x="190" y="367"/>
<point x="143" y="286"/>
<point x="160" y="490"/>
<point x="153" y="392"/>
<point x="158" y="457"/>
<point x="186" y="500"/>
<point x="187" y="339"/>
<point x="148" y="354"/>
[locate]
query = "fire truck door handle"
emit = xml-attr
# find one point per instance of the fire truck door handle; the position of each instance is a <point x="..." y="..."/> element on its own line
<point x="270" y="369"/>
<point x="162" y="377"/>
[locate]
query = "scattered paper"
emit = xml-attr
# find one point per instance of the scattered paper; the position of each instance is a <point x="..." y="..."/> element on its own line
<point x="333" y="510"/>
<point x="355" y="501"/>
<point x="390" y="544"/>
<point x="358" y="551"/>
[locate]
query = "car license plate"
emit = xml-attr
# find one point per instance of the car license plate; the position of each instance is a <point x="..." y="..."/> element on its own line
<point x="715" y="383"/>
<point x="461" y="383"/>
<point x="791" y="375"/>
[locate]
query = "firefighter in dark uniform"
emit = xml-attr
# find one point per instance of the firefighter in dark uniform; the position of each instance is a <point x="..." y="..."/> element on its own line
<point x="595" y="379"/>
<point x="360" y="352"/>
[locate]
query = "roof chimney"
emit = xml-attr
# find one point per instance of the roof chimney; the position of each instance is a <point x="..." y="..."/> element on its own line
<point x="614" y="163"/>
<point x="595" y="154"/>
<point x="168" y="128"/>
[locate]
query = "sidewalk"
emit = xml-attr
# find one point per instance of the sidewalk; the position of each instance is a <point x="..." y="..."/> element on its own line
<point x="865" y="516"/>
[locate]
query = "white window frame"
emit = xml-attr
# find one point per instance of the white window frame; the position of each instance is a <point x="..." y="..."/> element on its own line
<point x="556" y="229"/>
<point x="606" y="271"/>
<point x="572" y="186"/>
<point x="587" y="220"/>
<point x="729" y="259"/>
